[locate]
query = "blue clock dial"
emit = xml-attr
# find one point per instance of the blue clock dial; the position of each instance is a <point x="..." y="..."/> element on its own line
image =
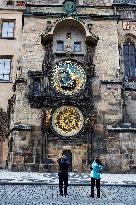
<point x="68" y="78"/>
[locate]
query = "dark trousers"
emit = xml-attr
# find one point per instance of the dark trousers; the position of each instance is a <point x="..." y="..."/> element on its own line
<point x="63" y="178"/>
<point x="93" y="182"/>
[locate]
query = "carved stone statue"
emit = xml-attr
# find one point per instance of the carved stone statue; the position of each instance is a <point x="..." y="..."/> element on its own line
<point x="69" y="6"/>
<point x="68" y="46"/>
<point x="47" y="84"/>
<point x="48" y="59"/>
<point x="49" y="27"/>
<point x="89" y="56"/>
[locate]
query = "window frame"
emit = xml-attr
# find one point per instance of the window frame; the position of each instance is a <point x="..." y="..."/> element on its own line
<point x="8" y="20"/>
<point x="10" y="76"/>
<point x="78" y="42"/>
<point x="59" y="41"/>
<point x="128" y="43"/>
<point x="40" y="86"/>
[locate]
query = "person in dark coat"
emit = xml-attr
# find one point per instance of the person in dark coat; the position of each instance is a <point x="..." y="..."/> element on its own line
<point x="63" y="174"/>
<point x="96" y="168"/>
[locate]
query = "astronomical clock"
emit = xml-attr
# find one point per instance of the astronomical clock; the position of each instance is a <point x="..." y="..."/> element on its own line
<point x="68" y="78"/>
<point x="67" y="121"/>
<point x="65" y="91"/>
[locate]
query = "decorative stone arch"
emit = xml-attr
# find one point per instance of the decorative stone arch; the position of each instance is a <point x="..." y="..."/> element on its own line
<point x="130" y="36"/>
<point x="124" y="38"/>
<point x="89" y="36"/>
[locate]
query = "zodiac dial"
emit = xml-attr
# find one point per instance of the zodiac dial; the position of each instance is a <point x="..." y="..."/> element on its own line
<point x="67" y="120"/>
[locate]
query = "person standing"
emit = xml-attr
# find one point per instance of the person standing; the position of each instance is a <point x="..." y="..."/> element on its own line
<point x="96" y="168"/>
<point x="63" y="174"/>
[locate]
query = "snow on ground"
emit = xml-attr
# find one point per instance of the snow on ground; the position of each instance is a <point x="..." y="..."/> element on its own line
<point x="75" y="178"/>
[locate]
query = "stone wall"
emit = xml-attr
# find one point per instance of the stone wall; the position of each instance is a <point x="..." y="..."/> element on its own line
<point x="130" y="100"/>
<point x="106" y="56"/>
<point x="121" y="153"/>
<point x="4" y="132"/>
<point x="106" y="92"/>
<point x="78" y="149"/>
<point x="1" y="154"/>
<point x="32" y="49"/>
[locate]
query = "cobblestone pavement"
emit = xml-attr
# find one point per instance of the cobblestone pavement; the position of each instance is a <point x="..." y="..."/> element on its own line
<point x="78" y="195"/>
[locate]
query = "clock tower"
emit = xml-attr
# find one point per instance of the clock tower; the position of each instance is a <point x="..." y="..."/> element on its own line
<point x="59" y="92"/>
<point x="67" y="105"/>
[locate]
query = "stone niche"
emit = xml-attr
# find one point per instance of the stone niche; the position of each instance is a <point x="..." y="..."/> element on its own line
<point x="67" y="34"/>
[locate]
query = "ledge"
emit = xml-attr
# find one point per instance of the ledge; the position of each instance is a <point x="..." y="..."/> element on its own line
<point x="14" y="8"/>
<point x="7" y="38"/>
<point x="29" y="4"/>
<point x="20" y="80"/>
<point x="32" y="74"/>
<point x="130" y="85"/>
<point x="5" y="81"/>
<point x="30" y="13"/>
<point x="124" y="127"/>
<point x="21" y="127"/>
<point x="110" y="82"/>
<point x="124" y="2"/>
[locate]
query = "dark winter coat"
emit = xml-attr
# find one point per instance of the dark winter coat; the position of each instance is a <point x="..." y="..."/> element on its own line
<point x="63" y="166"/>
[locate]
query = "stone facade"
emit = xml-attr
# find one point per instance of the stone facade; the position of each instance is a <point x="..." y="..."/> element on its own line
<point x="10" y="48"/>
<point x="91" y="37"/>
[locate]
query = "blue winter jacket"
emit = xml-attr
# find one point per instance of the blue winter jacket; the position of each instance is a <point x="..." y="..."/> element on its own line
<point x="96" y="170"/>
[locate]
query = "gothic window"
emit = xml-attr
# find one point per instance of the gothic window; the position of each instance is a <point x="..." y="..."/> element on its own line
<point x="8" y="29"/>
<point x="129" y="55"/>
<point x="77" y="46"/>
<point x="37" y="87"/>
<point x="5" y="68"/>
<point x="60" y="45"/>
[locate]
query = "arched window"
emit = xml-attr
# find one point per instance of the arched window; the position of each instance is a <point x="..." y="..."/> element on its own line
<point x="129" y="56"/>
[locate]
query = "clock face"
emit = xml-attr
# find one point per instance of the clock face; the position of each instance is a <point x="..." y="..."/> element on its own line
<point x="67" y="120"/>
<point x="68" y="78"/>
